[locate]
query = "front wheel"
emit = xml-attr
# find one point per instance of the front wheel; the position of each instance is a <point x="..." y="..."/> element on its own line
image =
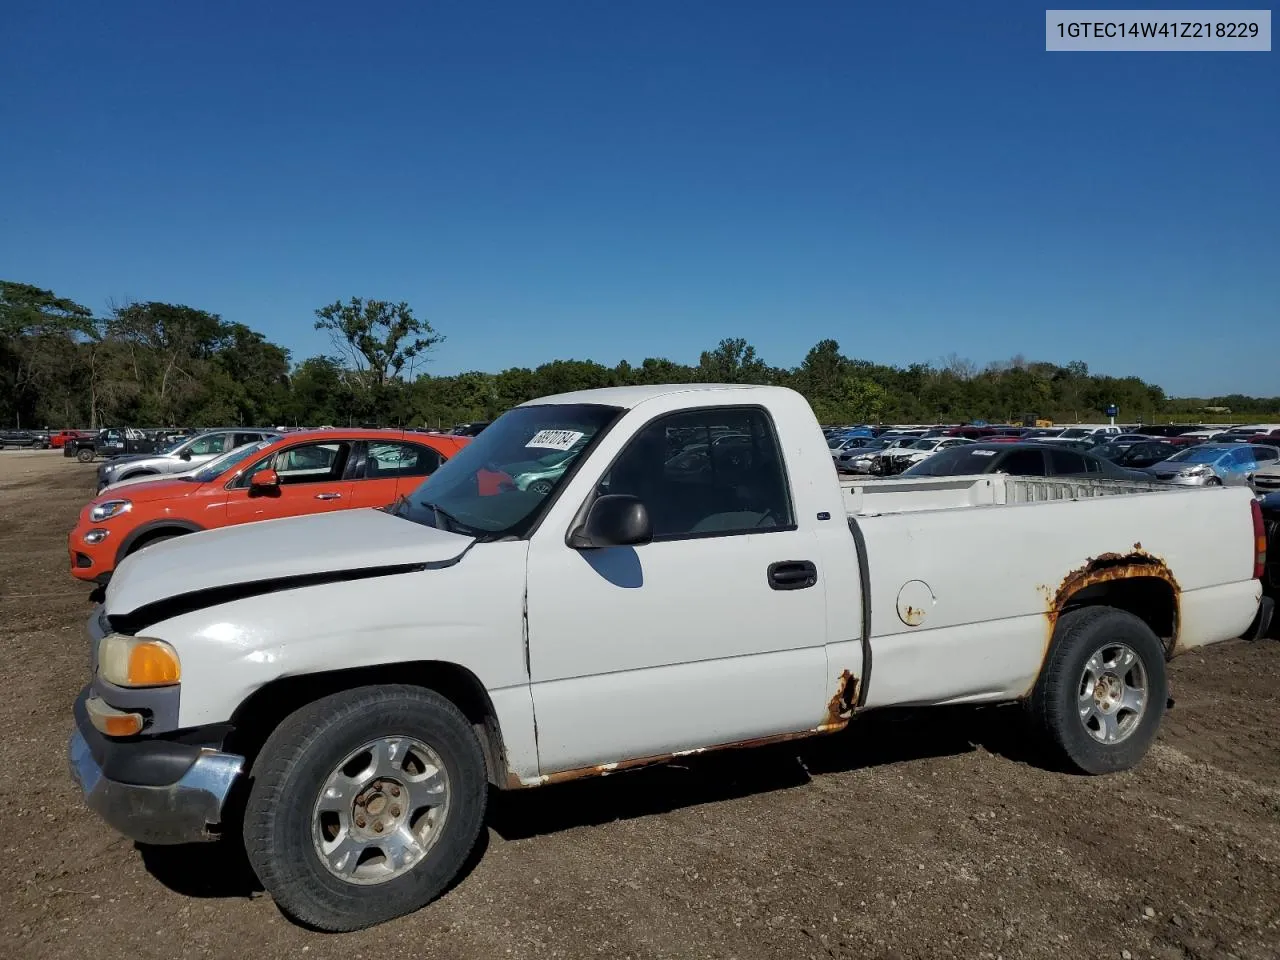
<point x="84" y="455"/>
<point x="365" y="805"/>
<point x="1102" y="691"/>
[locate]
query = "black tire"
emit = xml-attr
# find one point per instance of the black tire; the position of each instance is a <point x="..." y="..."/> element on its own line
<point x="1054" y="701"/>
<point x="1213" y="482"/>
<point x="84" y="455"/>
<point x="290" y="771"/>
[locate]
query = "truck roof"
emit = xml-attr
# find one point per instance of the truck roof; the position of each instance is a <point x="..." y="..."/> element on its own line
<point x="628" y="397"/>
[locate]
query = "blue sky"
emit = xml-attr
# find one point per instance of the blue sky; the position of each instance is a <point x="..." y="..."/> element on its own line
<point x="621" y="180"/>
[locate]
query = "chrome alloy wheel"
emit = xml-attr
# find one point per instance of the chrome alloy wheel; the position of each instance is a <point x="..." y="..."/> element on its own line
<point x="1112" y="693"/>
<point x="381" y="810"/>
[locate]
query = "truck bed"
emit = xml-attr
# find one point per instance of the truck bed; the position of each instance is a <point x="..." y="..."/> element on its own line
<point x="864" y="497"/>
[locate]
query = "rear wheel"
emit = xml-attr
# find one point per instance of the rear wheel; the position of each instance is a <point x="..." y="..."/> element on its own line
<point x="365" y="805"/>
<point x="1102" y="691"/>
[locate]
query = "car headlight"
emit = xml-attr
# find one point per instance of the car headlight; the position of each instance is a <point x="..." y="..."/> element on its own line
<point x="108" y="509"/>
<point x="138" y="662"/>
<point x="96" y="536"/>
<point x="1195" y="471"/>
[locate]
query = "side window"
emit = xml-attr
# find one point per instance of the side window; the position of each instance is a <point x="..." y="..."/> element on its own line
<point x="305" y="463"/>
<point x="706" y="472"/>
<point x="1023" y="463"/>
<point x="1242" y="457"/>
<point x="240" y="439"/>
<point x="209" y="444"/>
<point x="400" y="460"/>
<point x="1265" y="454"/>
<point x="1065" y="462"/>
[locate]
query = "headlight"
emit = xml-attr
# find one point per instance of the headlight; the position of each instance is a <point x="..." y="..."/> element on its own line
<point x="138" y="662"/>
<point x="108" y="509"/>
<point x="1195" y="471"/>
<point x="96" y="536"/>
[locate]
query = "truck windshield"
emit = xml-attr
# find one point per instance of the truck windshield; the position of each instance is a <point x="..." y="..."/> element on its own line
<point x="496" y="485"/>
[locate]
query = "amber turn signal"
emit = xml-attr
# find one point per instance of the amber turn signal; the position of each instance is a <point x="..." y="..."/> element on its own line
<point x="109" y="720"/>
<point x="138" y="662"/>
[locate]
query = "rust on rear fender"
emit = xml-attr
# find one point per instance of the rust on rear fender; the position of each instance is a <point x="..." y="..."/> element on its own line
<point x="1111" y="568"/>
<point x="839" y="711"/>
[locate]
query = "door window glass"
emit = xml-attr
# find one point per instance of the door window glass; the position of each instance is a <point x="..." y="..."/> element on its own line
<point x="706" y="472"/>
<point x="1066" y="462"/>
<point x="1023" y="463"/>
<point x="209" y="444"/>
<point x="389" y="460"/>
<point x="305" y="463"/>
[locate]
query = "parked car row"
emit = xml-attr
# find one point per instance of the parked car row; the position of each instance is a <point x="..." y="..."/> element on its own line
<point x="1238" y="456"/>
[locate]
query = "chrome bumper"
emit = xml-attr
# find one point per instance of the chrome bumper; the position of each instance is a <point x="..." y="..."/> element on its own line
<point x="180" y="812"/>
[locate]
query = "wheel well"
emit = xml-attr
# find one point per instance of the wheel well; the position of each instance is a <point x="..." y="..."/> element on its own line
<point x="266" y="707"/>
<point x="153" y="535"/>
<point x="1153" y="600"/>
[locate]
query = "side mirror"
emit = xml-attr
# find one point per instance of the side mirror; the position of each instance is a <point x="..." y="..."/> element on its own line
<point x="265" y="481"/>
<point x="185" y="455"/>
<point x="614" y="520"/>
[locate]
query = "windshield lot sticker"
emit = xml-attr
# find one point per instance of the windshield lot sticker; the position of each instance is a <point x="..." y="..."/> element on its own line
<point x="554" y="439"/>
<point x="982" y="453"/>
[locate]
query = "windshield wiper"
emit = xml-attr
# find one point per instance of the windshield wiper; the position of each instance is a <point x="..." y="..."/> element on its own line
<point x="450" y="518"/>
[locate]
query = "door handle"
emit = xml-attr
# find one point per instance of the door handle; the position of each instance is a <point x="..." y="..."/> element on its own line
<point x="792" y="574"/>
<point x="328" y="496"/>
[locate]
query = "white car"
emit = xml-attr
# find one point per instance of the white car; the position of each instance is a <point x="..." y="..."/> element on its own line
<point x="864" y="461"/>
<point x="359" y="680"/>
<point x="921" y="450"/>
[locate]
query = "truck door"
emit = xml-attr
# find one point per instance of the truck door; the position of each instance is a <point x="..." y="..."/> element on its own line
<point x="712" y="634"/>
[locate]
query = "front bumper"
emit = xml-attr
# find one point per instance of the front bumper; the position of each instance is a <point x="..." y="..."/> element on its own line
<point x="171" y="800"/>
<point x="89" y="562"/>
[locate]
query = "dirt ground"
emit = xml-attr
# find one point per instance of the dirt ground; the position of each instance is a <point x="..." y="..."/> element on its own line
<point x="930" y="835"/>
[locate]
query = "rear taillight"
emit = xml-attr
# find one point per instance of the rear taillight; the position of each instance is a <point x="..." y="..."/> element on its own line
<point x="1259" y="541"/>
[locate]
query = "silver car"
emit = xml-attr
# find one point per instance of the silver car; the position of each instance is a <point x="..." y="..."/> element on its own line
<point x="179" y="456"/>
<point x="1215" y="464"/>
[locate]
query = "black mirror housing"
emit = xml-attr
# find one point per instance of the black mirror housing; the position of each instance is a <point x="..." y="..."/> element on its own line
<point x="614" y="520"/>
<point x="185" y="455"/>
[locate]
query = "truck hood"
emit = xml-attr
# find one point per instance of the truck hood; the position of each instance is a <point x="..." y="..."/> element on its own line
<point x="274" y="555"/>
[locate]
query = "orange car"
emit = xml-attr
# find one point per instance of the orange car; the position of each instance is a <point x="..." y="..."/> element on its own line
<point x="288" y="476"/>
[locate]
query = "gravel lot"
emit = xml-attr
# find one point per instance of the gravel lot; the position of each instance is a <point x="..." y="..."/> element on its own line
<point x="929" y="835"/>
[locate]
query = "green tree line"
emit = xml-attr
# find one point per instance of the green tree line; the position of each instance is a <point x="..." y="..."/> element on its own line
<point x="160" y="364"/>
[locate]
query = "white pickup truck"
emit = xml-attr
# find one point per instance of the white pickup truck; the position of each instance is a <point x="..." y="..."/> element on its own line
<point x="343" y="689"/>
